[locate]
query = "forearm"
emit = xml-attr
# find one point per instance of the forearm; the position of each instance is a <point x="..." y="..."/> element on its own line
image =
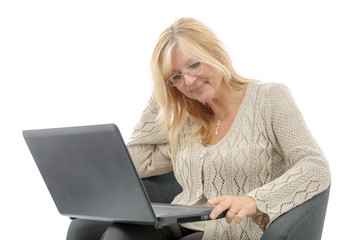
<point x="308" y="171"/>
<point x="149" y="147"/>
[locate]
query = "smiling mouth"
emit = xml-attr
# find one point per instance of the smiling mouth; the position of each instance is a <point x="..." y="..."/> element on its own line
<point x="198" y="88"/>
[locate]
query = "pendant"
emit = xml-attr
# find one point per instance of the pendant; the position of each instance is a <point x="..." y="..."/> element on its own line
<point x="218" y="126"/>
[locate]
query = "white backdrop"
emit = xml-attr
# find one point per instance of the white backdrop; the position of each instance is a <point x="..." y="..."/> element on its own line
<point x="67" y="62"/>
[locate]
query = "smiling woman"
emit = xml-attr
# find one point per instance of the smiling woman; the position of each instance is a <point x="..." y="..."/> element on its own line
<point x="228" y="140"/>
<point x="207" y="86"/>
<point x="181" y="47"/>
<point x="73" y="62"/>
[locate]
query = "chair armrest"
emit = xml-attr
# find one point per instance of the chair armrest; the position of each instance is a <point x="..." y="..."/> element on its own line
<point x="302" y="222"/>
<point x="81" y="229"/>
<point x="162" y="188"/>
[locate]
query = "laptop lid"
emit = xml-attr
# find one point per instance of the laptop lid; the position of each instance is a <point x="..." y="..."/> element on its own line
<point x="89" y="173"/>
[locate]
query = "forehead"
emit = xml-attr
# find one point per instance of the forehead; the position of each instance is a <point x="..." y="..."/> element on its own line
<point x="180" y="60"/>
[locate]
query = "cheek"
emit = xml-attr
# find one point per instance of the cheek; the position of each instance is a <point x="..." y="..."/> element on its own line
<point x="183" y="90"/>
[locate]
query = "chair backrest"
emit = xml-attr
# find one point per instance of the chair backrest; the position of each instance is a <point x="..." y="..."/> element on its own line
<point x="302" y="222"/>
<point x="162" y="188"/>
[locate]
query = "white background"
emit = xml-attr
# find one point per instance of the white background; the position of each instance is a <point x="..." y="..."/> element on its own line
<point x="65" y="63"/>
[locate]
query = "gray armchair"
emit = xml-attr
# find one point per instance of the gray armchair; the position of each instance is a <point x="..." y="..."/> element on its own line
<point x="303" y="222"/>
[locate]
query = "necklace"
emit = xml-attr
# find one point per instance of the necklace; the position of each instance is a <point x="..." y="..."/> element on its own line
<point x="218" y="126"/>
<point x="232" y="109"/>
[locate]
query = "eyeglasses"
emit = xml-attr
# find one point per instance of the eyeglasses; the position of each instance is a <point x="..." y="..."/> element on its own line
<point x="177" y="80"/>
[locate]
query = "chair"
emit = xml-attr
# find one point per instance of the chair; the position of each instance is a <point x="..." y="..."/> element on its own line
<point x="303" y="222"/>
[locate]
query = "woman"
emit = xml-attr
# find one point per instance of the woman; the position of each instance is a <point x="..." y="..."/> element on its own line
<point x="233" y="143"/>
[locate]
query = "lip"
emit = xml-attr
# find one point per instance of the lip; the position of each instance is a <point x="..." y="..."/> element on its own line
<point x="198" y="88"/>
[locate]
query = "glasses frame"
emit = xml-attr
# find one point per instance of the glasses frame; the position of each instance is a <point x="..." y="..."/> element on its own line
<point x="194" y="71"/>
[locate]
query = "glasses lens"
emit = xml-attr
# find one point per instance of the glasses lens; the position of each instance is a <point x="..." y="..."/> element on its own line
<point x="175" y="80"/>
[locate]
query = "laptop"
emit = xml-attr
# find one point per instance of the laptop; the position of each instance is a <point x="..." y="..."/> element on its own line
<point x="90" y="175"/>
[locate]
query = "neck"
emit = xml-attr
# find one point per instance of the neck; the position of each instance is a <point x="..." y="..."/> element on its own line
<point x="224" y="102"/>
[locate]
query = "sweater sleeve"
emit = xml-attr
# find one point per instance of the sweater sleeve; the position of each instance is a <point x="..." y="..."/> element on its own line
<point x="307" y="172"/>
<point x="149" y="147"/>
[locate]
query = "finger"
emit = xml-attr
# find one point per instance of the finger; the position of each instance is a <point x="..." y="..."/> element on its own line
<point x="231" y="214"/>
<point x="215" y="201"/>
<point x="219" y="209"/>
<point x="240" y="216"/>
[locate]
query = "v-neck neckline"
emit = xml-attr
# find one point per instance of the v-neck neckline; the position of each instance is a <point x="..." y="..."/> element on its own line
<point x="234" y="127"/>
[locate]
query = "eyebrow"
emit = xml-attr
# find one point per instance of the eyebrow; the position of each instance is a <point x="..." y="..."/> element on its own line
<point x="191" y="61"/>
<point x="188" y="62"/>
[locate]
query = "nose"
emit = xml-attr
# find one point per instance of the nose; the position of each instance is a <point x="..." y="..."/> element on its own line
<point x="189" y="79"/>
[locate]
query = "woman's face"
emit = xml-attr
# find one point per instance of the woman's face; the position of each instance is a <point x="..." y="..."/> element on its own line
<point x="203" y="86"/>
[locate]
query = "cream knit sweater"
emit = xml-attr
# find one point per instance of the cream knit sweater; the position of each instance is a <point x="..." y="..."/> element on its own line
<point x="268" y="154"/>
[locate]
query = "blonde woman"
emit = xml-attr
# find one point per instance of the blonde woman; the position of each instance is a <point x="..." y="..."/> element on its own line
<point x="232" y="142"/>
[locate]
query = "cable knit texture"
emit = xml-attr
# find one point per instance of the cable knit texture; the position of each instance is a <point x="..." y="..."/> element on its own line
<point x="268" y="154"/>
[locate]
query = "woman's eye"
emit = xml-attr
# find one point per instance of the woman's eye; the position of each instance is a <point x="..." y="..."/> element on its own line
<point x="195" y="65"/>
<point x="177" y="77"/>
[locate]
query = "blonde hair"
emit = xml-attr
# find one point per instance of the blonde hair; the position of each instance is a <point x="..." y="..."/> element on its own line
<point x="199" y="43"/>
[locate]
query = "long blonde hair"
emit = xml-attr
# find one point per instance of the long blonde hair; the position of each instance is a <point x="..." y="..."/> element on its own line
<point x="199" y="43"/>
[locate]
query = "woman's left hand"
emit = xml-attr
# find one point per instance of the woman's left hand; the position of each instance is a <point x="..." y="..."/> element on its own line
<point x="238" y="207"/>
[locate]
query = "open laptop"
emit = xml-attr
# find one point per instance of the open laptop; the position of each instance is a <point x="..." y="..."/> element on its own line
<point x="90" y="175"/>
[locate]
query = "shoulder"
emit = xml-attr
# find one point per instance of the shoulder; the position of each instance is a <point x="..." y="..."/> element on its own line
<point x="269" y="87"/>
<point x="270" y="91"/>
<point x="271" y="98"/>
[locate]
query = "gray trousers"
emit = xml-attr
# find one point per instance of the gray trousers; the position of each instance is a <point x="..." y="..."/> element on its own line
<point x="94" y="230"/>
<point x="122" y="231"/>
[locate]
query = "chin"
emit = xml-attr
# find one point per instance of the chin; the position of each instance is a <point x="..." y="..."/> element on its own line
<point x="203" y="99"/>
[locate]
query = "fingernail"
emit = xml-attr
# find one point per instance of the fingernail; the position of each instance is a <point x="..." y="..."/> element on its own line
<point x="212" y="216"/>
